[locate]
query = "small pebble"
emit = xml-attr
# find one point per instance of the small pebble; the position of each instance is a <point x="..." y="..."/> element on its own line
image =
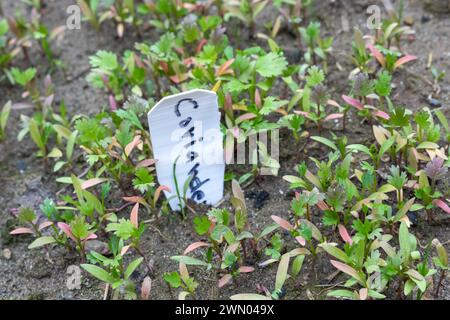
<point x="409" y="20"/>
<point x="434" y="103"/>
<point x="425" y="19"/>
<point x="6" y="254"/>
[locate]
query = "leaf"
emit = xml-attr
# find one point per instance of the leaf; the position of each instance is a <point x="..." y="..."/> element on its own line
<point x="237" y="191"/>
<point x="386" y="188"/>
<point x="441" y="204"/>
<point x="173" y="279"/>
<point x="146" y="288"/>
<point x="379" y="135"/>
<point x="246" y="269"/>
<point x="21" y="231"/>
<point x="224" y="67"/>
<point x="404" y="241"/>
<point x="158" y="192"/>
<point x="313" y="179"/>
<point x="404" y="60"/>
<point x="342" y="293"/>
<point x="132" y="266"/>
<point x="428" y="145"/>
<point x="334" y="251"/>
<point x="35" y="134"/>
<point x="270" y="65"/>
<point x="282" y="223"/>
<point x="344" y="234"/>
<point x="42" y="241"/>
<point x="249" y="296"/>
<point x="224" y="280"/>
<point x="134" y="215"/>
<point x="297" y="265"/>
<point x="282" y="271"/>
<point x="326" y="142"/>
<point x="98" y="273"/>
<point x="129" y="148"/>
<point x="377" y="54"/>
<point x="359" y="147"/>
<point x="348" y="270"/>
<point x="194" y="246"/>
<point x="353" y="102"/>
<point x="66" y="229"/>
<point x="55" y="153"/>
<point x="104" y="60"/>
<point x="92" y="182"/>
<point x="402" y="212"/>
<point x="189" y="261"/>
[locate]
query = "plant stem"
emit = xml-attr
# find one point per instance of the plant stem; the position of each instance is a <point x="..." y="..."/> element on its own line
<point x="441" y="278"/>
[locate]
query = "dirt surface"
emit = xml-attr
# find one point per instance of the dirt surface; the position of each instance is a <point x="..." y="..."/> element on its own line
<point x="35" y="274"/>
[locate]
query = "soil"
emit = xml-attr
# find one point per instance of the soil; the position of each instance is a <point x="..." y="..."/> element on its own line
<point x="37" y="274"/>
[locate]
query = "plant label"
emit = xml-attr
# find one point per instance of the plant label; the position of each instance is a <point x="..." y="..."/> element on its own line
<point x="188" y="147"/>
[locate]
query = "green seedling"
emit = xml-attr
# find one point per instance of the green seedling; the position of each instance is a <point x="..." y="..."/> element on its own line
<point x="4" y="115"/>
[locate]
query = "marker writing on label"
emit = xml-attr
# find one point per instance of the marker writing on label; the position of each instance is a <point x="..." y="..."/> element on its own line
<point x="196" y="182"/>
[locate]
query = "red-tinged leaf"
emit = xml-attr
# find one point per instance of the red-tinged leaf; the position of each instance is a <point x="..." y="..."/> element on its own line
<point x="45" y="224"/>
<point x="347" y="270"/>
<point x="282" y="223"/>
<point x="146" y="288"/>
<point x="179" y="50"/>
<point x="236" y="132"/>
<point x="344" y="234"/>
<point x="334" y="116"/>
<point x="245" y="117"/>
<point x="179" y="78"/>
<point x="258" y="102"/>
<point x="135" y="199"/>
<point x="322" y="205"/>
<point x="66" y="229"/>
<point x="138" y="61"/>
<point x="353" y="102"/>
<point x="92" y="182"/>
<point x="164" y="66"/>
<point x="404" y="60"/>
<point x="21" y="231"/>
<point x="134" y="215"/>
<point x="184" y="273"/>
<point x="245" y="269"/>
<point x="146" y="163"/>
<point x="133" y="144"/>
<point x="92" y="236"/>
<point x="333" y="103"/>
<point x="158" y="193"/>
<point x="224" y="67"/>
<point x="381" y="114"/>
<point x="188" y="61"/>
<point x="124" y="250"/>
<point x="194" y="246"/>
<point x="233" y="247"/>
<point x="377" y="54"/>
<point x="363" y="293"/>
<point x="200" y="45"/>
<point x="300" y="240"/>
<point x="302" y="113"/>
<point x="112" y="103"/>
<point x="224" y="280"/>
<point x="441" y="204"/>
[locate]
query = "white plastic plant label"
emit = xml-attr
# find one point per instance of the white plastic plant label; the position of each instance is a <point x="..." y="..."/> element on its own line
<point x="188" y="147"/>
